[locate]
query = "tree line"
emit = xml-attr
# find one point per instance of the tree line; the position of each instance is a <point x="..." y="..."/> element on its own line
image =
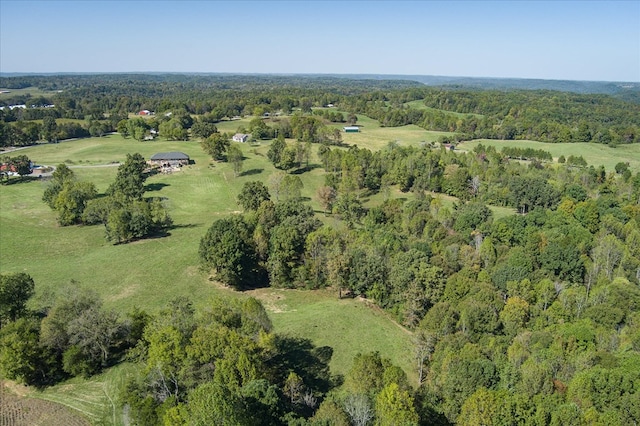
<point x="101" y="102"/>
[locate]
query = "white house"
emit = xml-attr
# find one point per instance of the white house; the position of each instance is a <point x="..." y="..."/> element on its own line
<point x="240" y="137"/>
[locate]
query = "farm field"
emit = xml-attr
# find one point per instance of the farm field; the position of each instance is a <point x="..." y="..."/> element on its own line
<point x="371" y="135"/>
<point x="594" y="154"/>
<point x="147" y="273"/>
<point x="74" y="402"/>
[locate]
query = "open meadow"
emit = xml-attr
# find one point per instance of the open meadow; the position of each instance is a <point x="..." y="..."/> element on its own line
<point x="149" y="273"/>
<point x="374" y="137"/>
<point x="594" y="154"/>
<point x="33" y="91"/>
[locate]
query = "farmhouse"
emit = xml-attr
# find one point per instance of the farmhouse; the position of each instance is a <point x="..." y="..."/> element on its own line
<point x="169" y="159"/>
<point x="240" y="137"/>
<point x="351" y="129"/>
<point x="145" y="112"/>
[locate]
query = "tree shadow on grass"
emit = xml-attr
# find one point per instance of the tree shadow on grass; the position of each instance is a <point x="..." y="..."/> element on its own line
<point x="186" y="225"/>
<point x="307" y="361"/>
<point x="251" y="172"/>
<point x="305" y="169"/>
<point x="24" y="179"/>
<point x="155" y="186"/>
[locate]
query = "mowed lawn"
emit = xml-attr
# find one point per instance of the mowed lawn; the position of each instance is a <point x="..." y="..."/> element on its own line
<point x="595" y="154"/>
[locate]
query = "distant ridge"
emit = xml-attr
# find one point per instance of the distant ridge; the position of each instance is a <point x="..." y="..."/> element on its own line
<point x="604" y="87"/>
<point x="481" y="83"/>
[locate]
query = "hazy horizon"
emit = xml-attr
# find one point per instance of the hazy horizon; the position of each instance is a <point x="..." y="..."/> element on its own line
<point x="284" y="74"/>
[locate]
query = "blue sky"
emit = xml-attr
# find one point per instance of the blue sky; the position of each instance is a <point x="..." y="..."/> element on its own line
<point x="573" y="40"/>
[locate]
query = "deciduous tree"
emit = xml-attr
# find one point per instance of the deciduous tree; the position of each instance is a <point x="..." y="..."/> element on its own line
<point x="252" y="195"/>
<point x="227" y="248"/>
<point x="216" y="145"/>
<point x="235" y="157"/>
<point x="15" y="290"/>
<point x="130" y="179"/>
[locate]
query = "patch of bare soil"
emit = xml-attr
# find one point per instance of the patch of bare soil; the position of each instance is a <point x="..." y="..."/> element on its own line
<point x="18" y="410"/>
<point x="271" y="300"/>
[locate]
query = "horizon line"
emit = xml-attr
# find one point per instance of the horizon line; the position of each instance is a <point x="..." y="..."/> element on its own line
<point x="58" y="73"/>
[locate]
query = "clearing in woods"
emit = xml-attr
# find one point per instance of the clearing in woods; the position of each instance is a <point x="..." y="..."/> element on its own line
<point x="594" y="154"/>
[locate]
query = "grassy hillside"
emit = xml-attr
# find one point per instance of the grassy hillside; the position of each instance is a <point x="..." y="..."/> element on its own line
<point x="594" y="154"/>
<point x="349" y="326"/>
<point x="151" y="272"/>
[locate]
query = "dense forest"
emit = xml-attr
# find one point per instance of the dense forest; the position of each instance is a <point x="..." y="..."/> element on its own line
<point x="530" y="318"/>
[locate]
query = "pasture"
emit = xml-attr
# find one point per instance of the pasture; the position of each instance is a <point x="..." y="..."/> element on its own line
<point x="146" y="273"/>
<point x="594" y="154"/>
<point x="349" y="326"/>
<point x="151" y="272"/>
<point x="374" y="137"/>
<point x="32" y="91"/>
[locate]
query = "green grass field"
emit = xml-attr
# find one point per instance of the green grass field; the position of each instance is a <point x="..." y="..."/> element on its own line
<point x="375" y="137"/>
<point x="151" y="272"/>
<point x="594" y="154"/>
<point x="349" y="326"/>
<point x="147" y="273"/>
<point x="33" y="91"/>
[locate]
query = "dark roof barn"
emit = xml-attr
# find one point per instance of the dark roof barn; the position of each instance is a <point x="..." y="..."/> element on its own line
<point x="168" y="156"/>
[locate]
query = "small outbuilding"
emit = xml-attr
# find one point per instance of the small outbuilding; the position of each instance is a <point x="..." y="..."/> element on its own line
<point x="240" y="137"/>
<point x="170" y="159"/>
<point x="351" y="129"/>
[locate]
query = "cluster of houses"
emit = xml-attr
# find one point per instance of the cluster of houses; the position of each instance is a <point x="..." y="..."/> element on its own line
<point x="23" y="106"/>
<point x="8" y="169"/>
